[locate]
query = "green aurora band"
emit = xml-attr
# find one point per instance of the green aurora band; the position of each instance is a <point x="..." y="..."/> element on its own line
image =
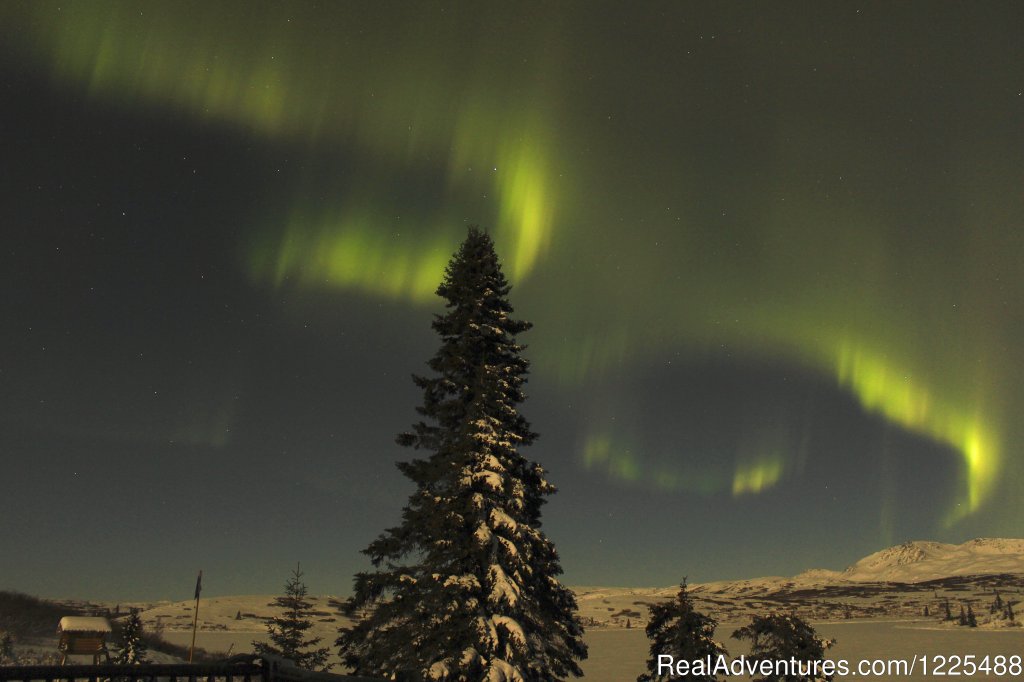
<point x="484" y="105"/>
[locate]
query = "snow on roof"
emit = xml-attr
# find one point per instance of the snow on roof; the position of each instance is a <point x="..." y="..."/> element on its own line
<point x="83" y="624"/>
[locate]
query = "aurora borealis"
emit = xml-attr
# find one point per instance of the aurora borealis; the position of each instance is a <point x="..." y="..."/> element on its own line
<point x="772" y="255"/>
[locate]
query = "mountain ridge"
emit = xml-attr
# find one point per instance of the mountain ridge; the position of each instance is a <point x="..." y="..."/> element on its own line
<point x="922" y="560"/>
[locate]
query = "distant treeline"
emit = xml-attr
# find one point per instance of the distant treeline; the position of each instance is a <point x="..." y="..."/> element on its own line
<point x="26" y="616"/>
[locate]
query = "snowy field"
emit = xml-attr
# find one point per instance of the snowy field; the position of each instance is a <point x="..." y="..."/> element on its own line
<point x="618" y="655"/>
<point x="874" y="609"/>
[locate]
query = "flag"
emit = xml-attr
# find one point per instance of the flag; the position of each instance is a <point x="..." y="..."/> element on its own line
<point x="199" y="584"/>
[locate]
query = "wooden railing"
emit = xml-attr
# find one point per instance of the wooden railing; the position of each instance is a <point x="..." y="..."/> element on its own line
<point x="148" y="672"/>
<point x="283" y="670"/>
<point x="244" y="668"/>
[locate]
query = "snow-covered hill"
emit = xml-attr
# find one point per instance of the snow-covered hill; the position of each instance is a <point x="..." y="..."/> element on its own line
<point x="898" y="582"/>
<point x="914" y="562"/>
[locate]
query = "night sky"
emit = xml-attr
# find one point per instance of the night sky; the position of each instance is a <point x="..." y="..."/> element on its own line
<point x="772" y="251"/>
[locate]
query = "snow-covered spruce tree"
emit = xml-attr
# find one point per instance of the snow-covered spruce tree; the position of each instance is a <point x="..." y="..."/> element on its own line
<point x="133" y="646"/>
<point x="782" y="637"/>
<point x="465" y="589"/>
<point x="677" y="629"/>
<point x="287" y="631"/>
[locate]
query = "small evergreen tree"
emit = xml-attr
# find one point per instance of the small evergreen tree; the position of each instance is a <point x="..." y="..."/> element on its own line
<point x="972" y="622"/>
<point x="925" y="610"/>
<point x="963" y="616"/>
<point x="997" y="604"/>
<point x="782" y="637"/>
<point x="287" y="631"/>
<point x="949" y="613"/>
<point x="133" y="646"/>
<point x="676" y="629"/>
<point x="7" y="656"/>
<point x="1009" y="611"/>
<point x="466" y="587"/>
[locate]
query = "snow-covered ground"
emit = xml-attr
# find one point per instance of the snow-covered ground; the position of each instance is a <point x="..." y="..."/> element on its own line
<point x="875" y="609"/>
<point x="619" y="655"/>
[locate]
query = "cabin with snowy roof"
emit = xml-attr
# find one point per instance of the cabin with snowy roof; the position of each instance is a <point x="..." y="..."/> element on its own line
<point x="83" y="636"/>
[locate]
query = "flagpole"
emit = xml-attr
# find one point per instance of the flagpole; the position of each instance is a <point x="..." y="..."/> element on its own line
<point x="195" y="621"/>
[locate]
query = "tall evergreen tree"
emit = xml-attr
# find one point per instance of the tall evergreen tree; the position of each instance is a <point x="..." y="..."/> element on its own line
<point x="782" y="637"/>
<point x="133" y="646"/>
<point x="287" y="632"/>
<point x="465" y="588"/>
<point x="677" y="629"/>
